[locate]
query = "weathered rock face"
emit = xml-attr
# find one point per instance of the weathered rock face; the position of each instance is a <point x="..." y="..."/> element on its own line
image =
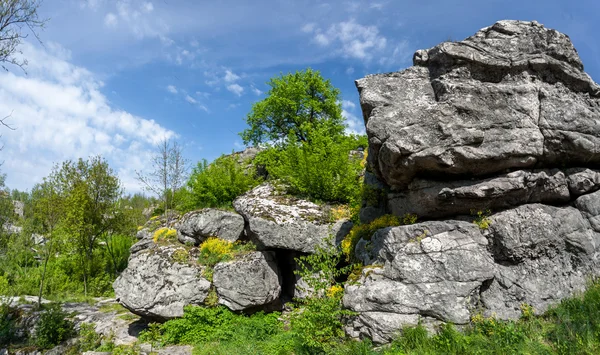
<point x="247" y="283"/>
<point x="512" y="96"/>
<point x="505" y="121"/>
<point x="195" y="227"/>
<point x="278" y="221"/>
<point x="155" y="286"/>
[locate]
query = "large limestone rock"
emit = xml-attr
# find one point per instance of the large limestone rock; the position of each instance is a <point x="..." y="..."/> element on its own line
<point x="194" y="227"/>
<point x="505" y="121"/>
<point x="451" y="270"/>
<point x="430" y="269"/>
<point x="435" y="199"/>
<point x="155" y="286"/>
<point x="250" y="282"/>
<point x="512" y="96"/>
<point x="279" y="221"/>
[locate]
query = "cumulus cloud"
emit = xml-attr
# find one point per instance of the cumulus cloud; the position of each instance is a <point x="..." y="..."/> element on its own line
<point x="256" y="91"/>
<point x="230" y="76"/>
<point x="236" y="89"/>
<point x="348" y="105"/>
<point x="352" y="39"/>
<point x="354" y="125"/>
<point x="110" y="20"/>
<point x="172" y="89"/>
<point x="60" y="113"/>
<point x="147" y="7"/>
<point x="190" y="99"/>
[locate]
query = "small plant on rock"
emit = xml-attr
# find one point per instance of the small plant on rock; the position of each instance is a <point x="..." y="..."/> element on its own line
<point x="366" y="231"/>
<point x="164" y="234"/>
<point x="482" y="219"/>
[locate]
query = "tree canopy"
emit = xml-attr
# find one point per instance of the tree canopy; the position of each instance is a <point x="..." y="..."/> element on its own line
<point x="293" y="104"/>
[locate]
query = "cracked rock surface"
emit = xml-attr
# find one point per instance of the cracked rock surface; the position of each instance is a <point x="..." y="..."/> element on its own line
<point x="276" y="220"/>
<point x="155" y="286"/>
<point x="505" y="121"/>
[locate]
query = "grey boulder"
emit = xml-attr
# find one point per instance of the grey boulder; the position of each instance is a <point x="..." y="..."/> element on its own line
<point x="279" y="221"/>
<point x="512" y="96"/>
<point x="155" y="286"/>
<point x="249" y="282"/>
<point x="195" y="227"/>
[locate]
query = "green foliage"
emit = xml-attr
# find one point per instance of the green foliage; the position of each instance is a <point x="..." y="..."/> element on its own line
<point x="53" y="327"/>
<point x="318" y="325"/>
<point x="206" y="325"/>
<point x="88" y="339"/>
<point x="365" y="231"/>
<point x="482" y="219"/>
<point x="218" y="184"/>
<point x="320" y="167"/>
<point x="9" y="327"/>
<point x="295" y="103"/>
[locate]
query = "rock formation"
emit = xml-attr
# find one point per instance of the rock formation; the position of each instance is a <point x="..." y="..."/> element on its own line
<point x="276" y="220"/>
<point x="163" y="276"/>
<point x="505" y="124"/>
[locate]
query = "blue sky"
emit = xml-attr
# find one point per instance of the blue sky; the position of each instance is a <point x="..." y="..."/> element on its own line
<point x="113" y="77"/>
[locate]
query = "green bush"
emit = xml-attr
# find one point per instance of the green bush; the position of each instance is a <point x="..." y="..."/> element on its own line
<point x="9" y="328"/>
<point x="216" y="324"/>
<point x="317" y="325"/>
<point x="53" y="327"/>
<point x="218" y="184"/>
<point x="320" y="168"/>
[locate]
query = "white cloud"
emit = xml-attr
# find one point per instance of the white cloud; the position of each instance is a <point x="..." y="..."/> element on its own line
<point x="348" y="105"/>
<point x="110" y="20"/>
<point x="322" y="40"/>
<point x="350" y="70"/>
<point x="60" y="113"/>
<point x="147" y="7"/>
<point x="354" y="125"/>
<point x="230" y="76"/>
<point x="354" y="40"/>
<point x="236" y="89"/>
<point x="172" y="89"/>
<point x="91" y="4"/>
<point x="308" y="28"/>
<point x="401" y="54"/>
<point x="256" y="91"/>
<point x="190" y="99"/>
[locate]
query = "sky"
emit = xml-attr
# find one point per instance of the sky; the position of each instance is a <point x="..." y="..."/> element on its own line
<point x="115" y="77"/>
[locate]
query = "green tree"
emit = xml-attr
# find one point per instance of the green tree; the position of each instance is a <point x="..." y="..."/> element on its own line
<point x="47" y="210"/>
<point x="219" y="183"/>
<point x="294" y="103"/>
<point x="90" y="190"/>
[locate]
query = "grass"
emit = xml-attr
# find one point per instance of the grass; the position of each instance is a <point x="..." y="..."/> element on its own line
<point x="572" y="327"/>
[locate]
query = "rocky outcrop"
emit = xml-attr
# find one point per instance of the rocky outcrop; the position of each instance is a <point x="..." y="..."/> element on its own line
<point x="505" y="123"/>
<point x="250" y="282"/>
<point x="196" y="226"/>
<point x="512" y="96"/>
<point x="276" y="220"/>
<point x="156" y="286"/>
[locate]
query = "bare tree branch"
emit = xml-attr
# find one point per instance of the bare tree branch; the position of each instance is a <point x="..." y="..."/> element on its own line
<point x="3" y="122"/>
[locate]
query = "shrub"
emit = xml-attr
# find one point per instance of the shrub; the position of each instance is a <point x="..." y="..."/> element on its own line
<point x="9" y="329"/>
<point x="218" y="184"/>
<point x="53" y="327"/>
<point x="365" y="231"/>
<point x="318" y="324"/>
<point x="164" y="234"/>
<point x="320" y="168"/>
<point x="214" y="251"/>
